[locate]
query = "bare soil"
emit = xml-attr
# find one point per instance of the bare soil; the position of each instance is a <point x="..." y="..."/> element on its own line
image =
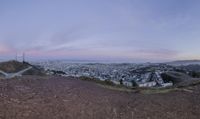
<point x="34" y="97"/>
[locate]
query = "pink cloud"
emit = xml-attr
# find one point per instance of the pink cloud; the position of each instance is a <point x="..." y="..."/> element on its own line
<point x="4" y="49"/>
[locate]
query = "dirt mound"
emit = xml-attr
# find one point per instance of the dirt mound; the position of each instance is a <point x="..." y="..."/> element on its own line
<point x="13" y="66"/>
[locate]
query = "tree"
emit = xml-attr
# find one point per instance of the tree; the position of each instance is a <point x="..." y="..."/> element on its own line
<point x="121" y="82"/>
<point x="134" y="84"/>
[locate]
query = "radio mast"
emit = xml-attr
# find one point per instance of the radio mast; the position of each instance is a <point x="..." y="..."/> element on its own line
<point x="16" y="56"/>
<point x="23" y="57"/>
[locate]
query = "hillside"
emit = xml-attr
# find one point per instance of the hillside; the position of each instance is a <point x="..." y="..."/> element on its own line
<point x="34" y="97"/>
<point x="15" y="66"/>
<point x="12" y="66"/>
<point x="179" y="79"/>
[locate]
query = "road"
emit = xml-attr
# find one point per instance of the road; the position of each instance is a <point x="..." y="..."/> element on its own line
<point x="2" y="72"/>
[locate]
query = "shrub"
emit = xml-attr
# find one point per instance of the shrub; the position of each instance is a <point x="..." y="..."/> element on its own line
<point x="108" y="82"/>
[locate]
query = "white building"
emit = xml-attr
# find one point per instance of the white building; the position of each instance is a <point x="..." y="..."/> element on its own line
<point x="147" y="84"/>
<point x="127" y="83"/>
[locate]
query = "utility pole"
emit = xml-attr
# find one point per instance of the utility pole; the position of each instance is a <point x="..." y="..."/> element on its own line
<point x="23" y="57"/>
<point x="16" y="56"/>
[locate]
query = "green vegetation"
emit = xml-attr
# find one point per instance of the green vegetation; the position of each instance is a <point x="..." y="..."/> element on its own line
<point x="194" y="74"/>
<point x="156" y="91"/>
<point x="121" y="82"/>
<point x="134" y="84"/>
<point x="118" y="88"/>
<point x="106" y="82"/>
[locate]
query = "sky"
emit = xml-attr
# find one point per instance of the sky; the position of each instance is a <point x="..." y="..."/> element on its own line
<point x="114" y="30"/>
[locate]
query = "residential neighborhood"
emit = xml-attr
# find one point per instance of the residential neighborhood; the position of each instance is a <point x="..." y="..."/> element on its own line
<point x="143" y="75"/>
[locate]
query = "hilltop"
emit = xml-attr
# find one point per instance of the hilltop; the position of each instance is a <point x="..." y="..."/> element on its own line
<point x="35" y="97"/>
<point x="11" y="67"/>
<point x="184" y="62"/>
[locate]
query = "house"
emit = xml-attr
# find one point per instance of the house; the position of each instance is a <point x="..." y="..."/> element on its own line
<point x="127" y="83"/>
<point x="116" y="82"/>
<point x="167" y="84"/>
<point x="147" y="84"/>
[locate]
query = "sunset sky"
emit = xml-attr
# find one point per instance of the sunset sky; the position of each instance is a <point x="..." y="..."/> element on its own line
<point x="118" y="30"/>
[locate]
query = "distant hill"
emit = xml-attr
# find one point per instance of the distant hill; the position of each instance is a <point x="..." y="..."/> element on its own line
<point x="191" y="67"/>
<point x="184" y="62"/>
<point x="179" y="79"/>
<point x="176" y="77"/>
<point x="15" y="66"/>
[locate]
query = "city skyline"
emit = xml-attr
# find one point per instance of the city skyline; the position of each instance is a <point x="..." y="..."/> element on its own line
<point x="114" y="30"/>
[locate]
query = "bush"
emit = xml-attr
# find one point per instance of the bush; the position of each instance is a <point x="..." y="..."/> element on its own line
<point x="108" y="82"/>
<point x="194" y="74"/>
<point x="121" y="82"/>
<point x="167" y="78"/>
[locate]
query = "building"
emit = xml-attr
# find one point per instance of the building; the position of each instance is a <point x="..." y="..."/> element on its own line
<point x="147" y="84"/>
<point x="127" y="83"/>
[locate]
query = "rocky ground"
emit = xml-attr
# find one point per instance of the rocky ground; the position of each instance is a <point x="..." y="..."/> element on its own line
<point x="34" y="97"/>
